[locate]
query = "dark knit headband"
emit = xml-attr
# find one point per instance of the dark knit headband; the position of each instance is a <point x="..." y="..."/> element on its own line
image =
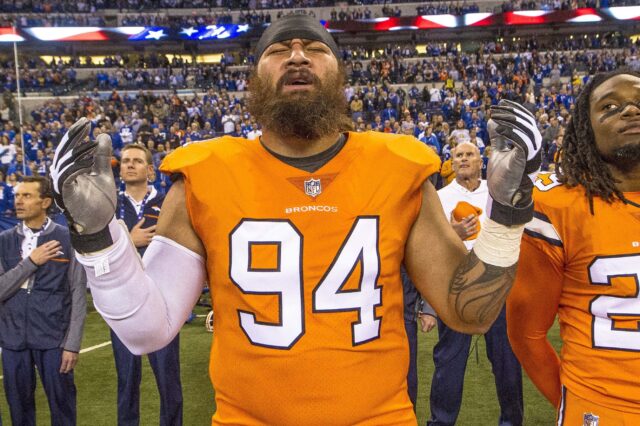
<point x="295" y="26"/>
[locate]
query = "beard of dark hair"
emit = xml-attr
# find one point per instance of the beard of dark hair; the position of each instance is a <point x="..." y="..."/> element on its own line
<point x="625" y="158"/>
<point x="305" y="114"/>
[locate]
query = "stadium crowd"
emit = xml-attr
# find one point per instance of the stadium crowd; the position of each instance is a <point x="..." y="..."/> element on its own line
<point x="400" y="64"/>
<point x="92" y="6"/>
<point x="441" y="113"/>
<point x="441" y="96"/>
<point x="148" y="12"/>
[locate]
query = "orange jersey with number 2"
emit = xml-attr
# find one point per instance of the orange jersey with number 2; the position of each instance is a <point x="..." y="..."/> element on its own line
<point x="586" y="268"/>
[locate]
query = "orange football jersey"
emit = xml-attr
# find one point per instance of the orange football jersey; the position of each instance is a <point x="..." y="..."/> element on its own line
<point x="596" y="261"/>
<point x="304" y="270"/>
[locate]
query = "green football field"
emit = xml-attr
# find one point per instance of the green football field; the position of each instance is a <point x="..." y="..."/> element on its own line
<point x="96" y="383"/>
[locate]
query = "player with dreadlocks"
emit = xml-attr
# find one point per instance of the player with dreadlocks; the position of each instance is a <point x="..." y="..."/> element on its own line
<point x="580" y="259"/>
<point x="581" y="162"/>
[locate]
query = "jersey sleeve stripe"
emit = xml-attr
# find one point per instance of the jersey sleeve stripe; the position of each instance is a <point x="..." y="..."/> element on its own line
<point x="562" y="407"/>
<point x="541" y="216"/>
<point x="542" y="229"/>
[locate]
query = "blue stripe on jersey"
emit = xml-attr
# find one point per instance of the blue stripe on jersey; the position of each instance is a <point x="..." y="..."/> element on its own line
<point x="541" y="216"/>
<point x="539" y="236"/>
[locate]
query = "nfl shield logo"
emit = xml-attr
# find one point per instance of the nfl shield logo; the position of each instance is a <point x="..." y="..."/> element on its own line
<point x="591" y="419"/>
<point x="312" y="187"/>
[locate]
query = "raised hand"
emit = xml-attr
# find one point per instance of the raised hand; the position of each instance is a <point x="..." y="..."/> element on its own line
<point x="84" y="187"/>
<point x="514" y="163"/>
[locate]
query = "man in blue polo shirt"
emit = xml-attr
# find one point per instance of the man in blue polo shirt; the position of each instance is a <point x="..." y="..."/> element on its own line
<point x="139" y="206"/>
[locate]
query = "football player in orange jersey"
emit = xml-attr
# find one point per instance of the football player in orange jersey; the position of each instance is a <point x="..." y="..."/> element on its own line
<point x="302" y="234"/>
<point x="580" y="259"/>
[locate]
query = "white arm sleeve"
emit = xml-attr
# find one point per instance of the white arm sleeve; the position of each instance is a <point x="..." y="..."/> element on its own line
<point x="145" y="303"/>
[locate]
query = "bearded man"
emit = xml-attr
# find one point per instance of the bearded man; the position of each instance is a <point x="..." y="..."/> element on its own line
<point x="301" y="234"/>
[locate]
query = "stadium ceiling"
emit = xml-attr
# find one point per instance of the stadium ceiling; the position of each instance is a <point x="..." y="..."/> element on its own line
<point x="530" y="18"/>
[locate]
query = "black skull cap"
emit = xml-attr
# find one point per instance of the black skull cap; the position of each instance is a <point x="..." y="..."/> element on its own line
<point x="295" y="26"/>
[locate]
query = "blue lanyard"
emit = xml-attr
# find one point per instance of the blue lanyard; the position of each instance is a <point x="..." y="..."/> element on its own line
<point x="142" y="205"/>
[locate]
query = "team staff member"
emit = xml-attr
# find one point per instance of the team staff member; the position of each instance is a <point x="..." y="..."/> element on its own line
<point x="411" y="305"/>
<point x="581" y="260"/>
<point x="139" y="205"/>
<point x="463" y="201"/>
<point x="302" y="234"/>
<point x="42" y="308"/>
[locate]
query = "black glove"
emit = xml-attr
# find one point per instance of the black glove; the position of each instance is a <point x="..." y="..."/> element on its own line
<point x="514" y="163"/>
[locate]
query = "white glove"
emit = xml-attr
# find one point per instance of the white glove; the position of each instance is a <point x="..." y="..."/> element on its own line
<point x="514" y="163"/>
<point x="83" y="186"/>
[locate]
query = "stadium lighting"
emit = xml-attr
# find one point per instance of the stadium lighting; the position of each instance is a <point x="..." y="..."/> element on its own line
<point x="586" y="18"/>
<point x="128" y="30"/>
<point x="406" y="27"/>
<point x="531" y="13"/>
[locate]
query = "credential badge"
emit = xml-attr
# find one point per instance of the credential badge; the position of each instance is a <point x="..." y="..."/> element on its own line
<point x="591" y="419"/>
<point x="312" y="187"/>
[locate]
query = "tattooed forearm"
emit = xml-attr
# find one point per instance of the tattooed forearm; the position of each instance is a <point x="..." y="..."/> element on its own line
<point x="480" y="290"/>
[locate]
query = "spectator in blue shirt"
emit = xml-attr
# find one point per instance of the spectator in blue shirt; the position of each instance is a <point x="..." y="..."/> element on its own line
<point x="3" y="185"/>
<point x="8" y="195"/>
<point x="430" y="139"/>
<point x="389" y="112"/>
<point x="16" y="166"/>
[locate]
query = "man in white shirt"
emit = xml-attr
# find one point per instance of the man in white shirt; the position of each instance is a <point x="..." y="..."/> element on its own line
<point x="434" y="94"/>
<point x="460" y="133"/>
<point x="463" y="201"/>
<point x="228" y="123"/>
<point x="475" y="139"/>
<point x="7" y="153"/>
<point x="254" y="133"/>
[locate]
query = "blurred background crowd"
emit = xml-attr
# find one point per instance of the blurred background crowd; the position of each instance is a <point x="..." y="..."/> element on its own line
<point x="433" y="90"/>
<point x="60" y="13"/>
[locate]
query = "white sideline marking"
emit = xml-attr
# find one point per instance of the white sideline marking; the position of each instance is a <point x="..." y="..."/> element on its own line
<point x="89" y="349"/>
